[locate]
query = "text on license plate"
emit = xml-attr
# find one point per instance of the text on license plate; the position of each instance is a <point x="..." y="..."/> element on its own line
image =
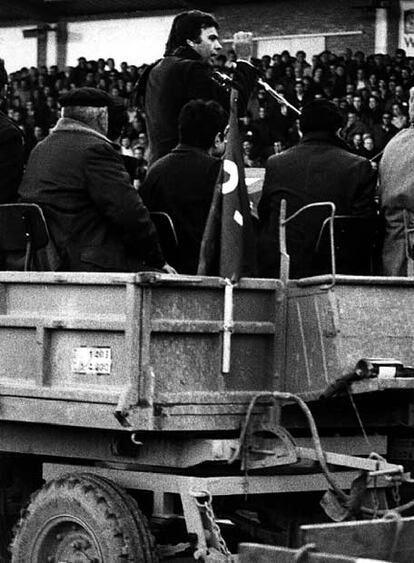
<point x="92" y="360"/>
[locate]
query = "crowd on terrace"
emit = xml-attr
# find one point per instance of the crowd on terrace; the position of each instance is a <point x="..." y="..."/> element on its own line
<point x="371" y="92"/>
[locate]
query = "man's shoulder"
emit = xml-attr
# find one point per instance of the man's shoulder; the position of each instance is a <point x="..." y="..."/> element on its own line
<point x="182" y="158"/>
<point x="284" y="157"/>
<point x="84" y="139"/>
<point x="177" y="62"/>
<point x="342" y="156"/>
<point x="8" y="129"/>
<point x="402" y="141"/>
<point x="403" y="136"/>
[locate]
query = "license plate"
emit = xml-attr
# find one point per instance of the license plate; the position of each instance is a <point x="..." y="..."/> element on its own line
<point x="91" y="360"/>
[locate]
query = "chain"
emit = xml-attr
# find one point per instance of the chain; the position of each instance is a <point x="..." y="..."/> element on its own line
<point x="359" y="419"/>
<point x="375" y="500"/>
<point x="396" y="492"/>
<point x="215" y="528"/>
<point x="245" y="459"/>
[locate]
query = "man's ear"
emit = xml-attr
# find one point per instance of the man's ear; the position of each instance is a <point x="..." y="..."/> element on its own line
<point x="190" y="42"/>
<point x="218" y="139"/>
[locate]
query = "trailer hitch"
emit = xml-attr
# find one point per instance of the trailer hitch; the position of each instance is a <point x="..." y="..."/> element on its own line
<point x="254" y="457"/>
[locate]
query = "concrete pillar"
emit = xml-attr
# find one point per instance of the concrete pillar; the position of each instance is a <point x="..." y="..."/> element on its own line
<point x="51" y="52"/>
<point x="41" y="45"/>
<point x="381" y="30"/>
<point x="61" y="44"/>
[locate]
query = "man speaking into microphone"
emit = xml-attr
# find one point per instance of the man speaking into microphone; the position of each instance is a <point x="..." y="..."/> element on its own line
<point x="186" y="73"/>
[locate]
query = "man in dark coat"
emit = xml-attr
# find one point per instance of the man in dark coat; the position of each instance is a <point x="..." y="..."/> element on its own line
<point x="319" y="168"/>
<point x="182" y="182"/>
<point x="184" y="74"/>
<point x="11" y="150"/>
<point x="97" y="220"/>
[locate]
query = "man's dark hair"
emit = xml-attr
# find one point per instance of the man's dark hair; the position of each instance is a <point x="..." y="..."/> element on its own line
<point x="320" y="115"/>
<point x="188" y="25"/>
<point x="199" y="122"/>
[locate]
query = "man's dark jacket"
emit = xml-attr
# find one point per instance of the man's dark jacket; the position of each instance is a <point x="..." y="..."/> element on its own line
<point x="182" y="184"/>
<point x="96" y="219"/>
<point x="175" y="80"/>
<point x="319" y="168"/>
<point x="11" y="159"/>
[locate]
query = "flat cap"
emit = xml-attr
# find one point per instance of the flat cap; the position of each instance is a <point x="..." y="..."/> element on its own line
<point x="90" y="97"/>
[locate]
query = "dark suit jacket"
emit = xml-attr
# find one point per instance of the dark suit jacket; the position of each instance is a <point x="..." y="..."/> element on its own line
<point x="11" y="159"/>
<point x="174" y="81"/>
<point x="96" y="219"/>
<point x="319" y="168"/>
<point x="182" y="184"/>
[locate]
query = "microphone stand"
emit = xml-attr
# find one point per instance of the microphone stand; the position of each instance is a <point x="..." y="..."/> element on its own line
<point x="276" y="96"/>
<point x="226" y="81"/>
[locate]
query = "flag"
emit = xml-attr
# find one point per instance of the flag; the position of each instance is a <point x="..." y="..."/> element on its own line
<point x="228" y="247"/>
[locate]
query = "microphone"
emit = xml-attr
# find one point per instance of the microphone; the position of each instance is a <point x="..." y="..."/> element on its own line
<point x="224" y="80"/>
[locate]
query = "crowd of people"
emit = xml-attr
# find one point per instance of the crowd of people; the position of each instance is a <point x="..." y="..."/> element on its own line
<point x="370" y="91"/>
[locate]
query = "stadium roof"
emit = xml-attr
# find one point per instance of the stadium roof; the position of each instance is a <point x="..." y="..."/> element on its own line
<point x="43" y="11"/>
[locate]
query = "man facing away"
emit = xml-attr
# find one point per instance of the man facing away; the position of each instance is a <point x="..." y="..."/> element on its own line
<point x="182" y="182"/>
<point x="320" y="168"/>
<point x="96" y="219"/>
<point x="396" y="185"/>
<point x="184" y="74"/>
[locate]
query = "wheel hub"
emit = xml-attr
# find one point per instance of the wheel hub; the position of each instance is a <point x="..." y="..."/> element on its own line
<point x="68" y="542"/>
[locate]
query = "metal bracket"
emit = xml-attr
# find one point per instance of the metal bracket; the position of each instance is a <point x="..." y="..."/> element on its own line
<point x="283" y="452"/>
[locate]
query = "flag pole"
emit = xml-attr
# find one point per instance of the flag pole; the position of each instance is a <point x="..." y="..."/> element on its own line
<point x="228" y="325"/>
<point x="228" y="321"/>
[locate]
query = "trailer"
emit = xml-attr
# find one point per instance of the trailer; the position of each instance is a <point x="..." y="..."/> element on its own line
<point x="147" y="416"/>
<point x="366" y="541"/>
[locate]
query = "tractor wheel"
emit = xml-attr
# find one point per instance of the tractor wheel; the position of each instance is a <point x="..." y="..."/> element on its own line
<point x="81" y="518"/>
<point x="143" y="538"/>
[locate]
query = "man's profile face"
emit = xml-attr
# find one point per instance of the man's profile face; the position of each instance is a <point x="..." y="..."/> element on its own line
<point x="208" y="44"/>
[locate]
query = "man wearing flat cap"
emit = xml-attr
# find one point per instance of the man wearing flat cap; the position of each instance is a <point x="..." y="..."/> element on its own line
<point x="320" y="168"/>
<point x="96" y="219"/>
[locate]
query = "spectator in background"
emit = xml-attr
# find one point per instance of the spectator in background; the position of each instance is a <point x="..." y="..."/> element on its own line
<point x="368" y="147"/>
<point x="278" y="147"/>
<point x="352" y="126"/>
<point x="373" y="113"/>
<point x="282" y="121"/>
<point x="300" y="97"/>
<point x="294" y="134"/>
<point x="141" y="168"/>
<point x="249" y="160"/>
<point x="356" y="144"/>
<point x="126" y="148"/>
<point x="142" y="141"/>
<point x="384" y="131"/>
<point x="263" y="134"/>
<point x="399" y="116"/>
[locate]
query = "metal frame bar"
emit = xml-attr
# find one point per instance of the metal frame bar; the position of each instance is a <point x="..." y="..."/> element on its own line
<point x="222" y="485"/>
<point x="283" y="221"/>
